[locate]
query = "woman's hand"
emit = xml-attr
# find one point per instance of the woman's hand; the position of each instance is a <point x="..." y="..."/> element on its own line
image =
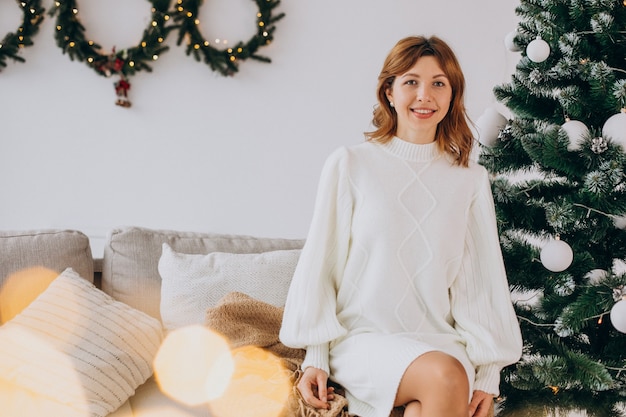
<point x="481" y="404"/>
<point x="313" y="388"/>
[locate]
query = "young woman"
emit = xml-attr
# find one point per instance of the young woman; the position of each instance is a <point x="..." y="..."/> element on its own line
<point x="400" y="294"/>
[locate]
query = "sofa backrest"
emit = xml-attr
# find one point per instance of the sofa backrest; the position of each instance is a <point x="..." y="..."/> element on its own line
<point x="48" y="248"/>
<point x="131" y="257"/>
<point x="31" y="259"/>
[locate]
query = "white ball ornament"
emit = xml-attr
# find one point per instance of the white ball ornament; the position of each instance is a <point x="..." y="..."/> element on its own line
<point x="576" y="132"/>
<point x="619" y="222"/>
<point x="618" y="316"/>
<point x="538" y="50"/>
<point x="509" y="42"/>
<point x="489" y="125"/>
<point x="615" y="129"/>
<point x="556" y="255"/>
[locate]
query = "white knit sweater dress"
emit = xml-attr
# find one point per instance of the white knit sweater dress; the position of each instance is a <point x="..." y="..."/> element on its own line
<point x="402" y="258"/>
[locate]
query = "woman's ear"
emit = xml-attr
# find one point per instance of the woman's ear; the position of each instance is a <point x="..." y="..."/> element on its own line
<point x="389" y="96"/>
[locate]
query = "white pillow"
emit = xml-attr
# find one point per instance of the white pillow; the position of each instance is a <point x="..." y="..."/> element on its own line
<point x="193" y="283"/>
<point x="75" y="351"/>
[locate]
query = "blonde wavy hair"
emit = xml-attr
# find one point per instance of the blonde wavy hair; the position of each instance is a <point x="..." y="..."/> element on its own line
<point x="453" y="136"/>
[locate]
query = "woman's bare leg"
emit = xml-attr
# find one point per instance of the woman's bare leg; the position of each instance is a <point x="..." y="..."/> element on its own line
<point x="434" y="385"/>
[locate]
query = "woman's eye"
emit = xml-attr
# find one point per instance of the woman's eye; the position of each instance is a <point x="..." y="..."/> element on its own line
<point x="411" y="82"/>
<point x="439" y="84"/>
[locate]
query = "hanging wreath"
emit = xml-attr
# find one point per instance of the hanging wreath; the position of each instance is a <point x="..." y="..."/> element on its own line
<point x="225" y="60"/>
<point x="70" y="36"/>
<point x="13" y="42"/>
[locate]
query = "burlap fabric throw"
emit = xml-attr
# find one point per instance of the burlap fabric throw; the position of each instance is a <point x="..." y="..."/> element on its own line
<point x="245" y="321"/>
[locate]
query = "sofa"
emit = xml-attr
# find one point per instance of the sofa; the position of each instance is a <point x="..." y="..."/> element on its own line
<point x="148" y="284"/>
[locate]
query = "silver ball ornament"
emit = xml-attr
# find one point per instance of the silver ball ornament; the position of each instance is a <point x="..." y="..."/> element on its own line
<point x="618" y="316"/>
<point x="615" y="129"/>
<point x="538" y="50"/>
<point x="556" y="255"/>
<point x="488" y="125"/>
<point x="576" y="132"/>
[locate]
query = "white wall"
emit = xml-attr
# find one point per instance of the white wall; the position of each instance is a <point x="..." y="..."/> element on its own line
<point x="201" y="152"/>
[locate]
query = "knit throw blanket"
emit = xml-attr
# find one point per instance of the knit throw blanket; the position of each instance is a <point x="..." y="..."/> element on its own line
<point x="245" y="321"/>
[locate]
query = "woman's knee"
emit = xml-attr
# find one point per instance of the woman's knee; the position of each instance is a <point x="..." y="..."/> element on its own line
<point x="432" y="374"/>
<point x="446" y="372"/>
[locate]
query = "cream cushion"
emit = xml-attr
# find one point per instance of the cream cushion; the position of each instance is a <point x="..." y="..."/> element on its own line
<point x="192" y="283"/>
<point x="131" y="256"/>
<point x="74" y="351"/>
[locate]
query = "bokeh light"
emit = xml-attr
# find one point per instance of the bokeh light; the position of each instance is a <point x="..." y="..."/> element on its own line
<point x="260" y="386"/>
<point x="193" y="365"/>
<point x="21" y="288"/>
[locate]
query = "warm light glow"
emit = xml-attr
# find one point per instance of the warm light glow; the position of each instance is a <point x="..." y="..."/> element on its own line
<point x="17" y="400"/>
<point x="193" y="365"/>
<point x="21" y="288"/>
<point x="260" y="386"/>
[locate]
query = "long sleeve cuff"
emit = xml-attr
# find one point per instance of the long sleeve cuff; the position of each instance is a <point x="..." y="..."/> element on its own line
<point x="317" y="357"/>
<point x="488" y="379"/>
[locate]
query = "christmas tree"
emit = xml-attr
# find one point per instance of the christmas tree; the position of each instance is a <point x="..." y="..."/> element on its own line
<point x="558" y="165"/>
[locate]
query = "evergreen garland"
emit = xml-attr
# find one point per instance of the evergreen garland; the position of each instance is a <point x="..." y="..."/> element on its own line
<point x="225" y="61"/>
<point x="70" y="37"/>
<point x="11" y="44"/>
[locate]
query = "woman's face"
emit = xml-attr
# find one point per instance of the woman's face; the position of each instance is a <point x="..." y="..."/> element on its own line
<point x="421" y="98"/>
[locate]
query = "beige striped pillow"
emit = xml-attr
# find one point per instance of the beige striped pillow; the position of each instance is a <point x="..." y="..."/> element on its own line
<point x="77" y="349"/>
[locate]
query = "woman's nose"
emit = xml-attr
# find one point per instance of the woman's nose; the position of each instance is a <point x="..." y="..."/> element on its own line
<point x="423" y="93"/>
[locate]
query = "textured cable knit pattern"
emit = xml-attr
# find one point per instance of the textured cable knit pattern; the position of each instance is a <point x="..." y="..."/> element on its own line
<point x="402" y="258"/>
